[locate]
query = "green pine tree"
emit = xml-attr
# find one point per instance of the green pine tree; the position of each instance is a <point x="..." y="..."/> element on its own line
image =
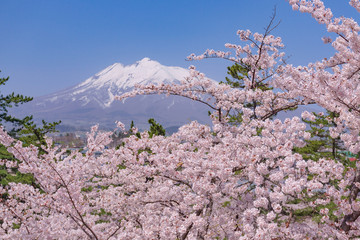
<point x="23" y="129"/>
<point x="237" y="73"/>
<point x="9" y="101"/>
<point x="321" y="144"/>
<point x="31" y="134"/>
<point x="156" y="129"/>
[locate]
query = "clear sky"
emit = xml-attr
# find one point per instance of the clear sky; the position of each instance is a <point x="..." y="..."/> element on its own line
<point x="49" y="45"/>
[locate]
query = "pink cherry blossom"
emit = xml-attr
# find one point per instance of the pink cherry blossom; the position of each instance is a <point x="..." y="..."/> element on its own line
<point x="223" y="181"/>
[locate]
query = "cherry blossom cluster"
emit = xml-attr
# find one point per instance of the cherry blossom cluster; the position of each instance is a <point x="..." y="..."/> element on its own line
<point x="260" y="57"/>
<point x="332" y="83"/>
<point x="225" y="182"/>
<point x="221" y="182"/>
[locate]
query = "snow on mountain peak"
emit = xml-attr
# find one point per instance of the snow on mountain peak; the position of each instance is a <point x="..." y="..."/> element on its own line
<point x="144" y="71"/>
<point x="145" y="59"/>
<point x="117" y="79"/>
<point x="93" y="100"/>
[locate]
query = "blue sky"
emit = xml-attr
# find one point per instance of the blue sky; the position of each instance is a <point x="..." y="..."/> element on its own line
<point x="49" y="45"/>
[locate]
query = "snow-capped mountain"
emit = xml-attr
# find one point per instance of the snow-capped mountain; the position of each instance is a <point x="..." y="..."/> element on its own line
<point x="92" y="101"/>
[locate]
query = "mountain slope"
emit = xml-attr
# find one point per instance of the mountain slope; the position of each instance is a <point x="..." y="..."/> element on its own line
<point x="92" y="101"/>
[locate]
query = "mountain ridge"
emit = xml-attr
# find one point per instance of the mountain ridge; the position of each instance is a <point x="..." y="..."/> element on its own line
<point x="93" y="100"/>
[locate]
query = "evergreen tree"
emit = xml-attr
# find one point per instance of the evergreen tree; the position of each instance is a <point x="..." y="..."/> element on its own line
<point x="31" y="134"/>
<point x="23" y="129"/>
<point x="237" y="73"/>
<point x="321" y="144"/>
<point x="9" y="101"/>
<point x="156" y="129"/>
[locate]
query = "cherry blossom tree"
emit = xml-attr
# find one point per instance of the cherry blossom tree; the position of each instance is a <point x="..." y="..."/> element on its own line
<point x="260" y="60"/>
<point x="219" y="182"/>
